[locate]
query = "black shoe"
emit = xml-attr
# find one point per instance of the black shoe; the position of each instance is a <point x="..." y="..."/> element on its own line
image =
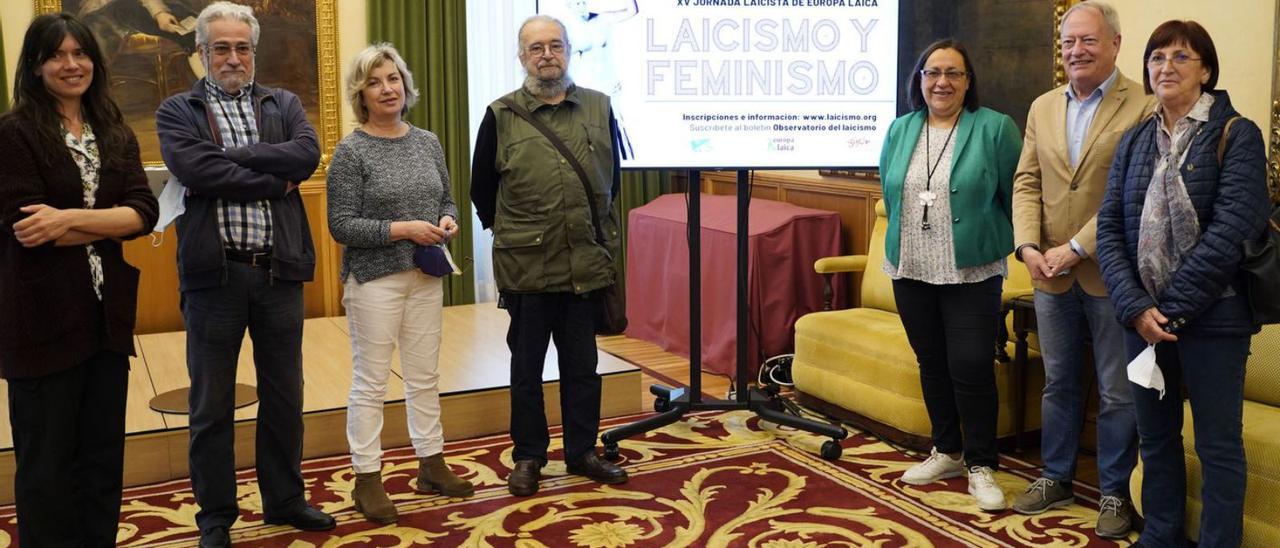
<point x="309" y="519"/>
<point x="215" y="537"/>
<point x="523" y="480"/>
<point x="592" y="466"/>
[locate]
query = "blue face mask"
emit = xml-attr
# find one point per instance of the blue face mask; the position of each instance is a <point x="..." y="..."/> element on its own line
<point x="434" y="260"/>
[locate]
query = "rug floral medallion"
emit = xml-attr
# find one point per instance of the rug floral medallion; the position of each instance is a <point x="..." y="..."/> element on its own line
<point x="712" y="479"/>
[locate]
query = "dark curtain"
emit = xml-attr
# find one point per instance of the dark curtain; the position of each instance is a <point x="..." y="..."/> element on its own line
<point x="432" y="38"/>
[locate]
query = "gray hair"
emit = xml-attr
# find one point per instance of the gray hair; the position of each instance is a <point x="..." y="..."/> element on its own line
<point x="564" y="32"/>
<point x="371" y="58"/>
<point x="1108" y="13"/>
<point x="225" y="10"/>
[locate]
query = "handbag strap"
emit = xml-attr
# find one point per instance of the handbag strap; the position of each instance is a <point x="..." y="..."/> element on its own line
<point x="568" y="156"/>
<point x="1222" y="142"/>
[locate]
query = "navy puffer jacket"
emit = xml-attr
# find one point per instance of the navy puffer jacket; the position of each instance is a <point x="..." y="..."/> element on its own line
<point x="1232" y="206"/>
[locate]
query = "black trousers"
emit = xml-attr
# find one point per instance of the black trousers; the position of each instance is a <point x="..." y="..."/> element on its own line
<point x="536" y="319"/>
<point x="952" y="329"/>
<point x="216" y="319"/>
<point x="68" y="440"/>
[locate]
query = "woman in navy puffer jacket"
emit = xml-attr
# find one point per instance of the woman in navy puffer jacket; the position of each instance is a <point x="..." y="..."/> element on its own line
<point x="1170" y="231"/>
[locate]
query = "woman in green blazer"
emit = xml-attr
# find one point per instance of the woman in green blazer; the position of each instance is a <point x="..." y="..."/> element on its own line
<point x="947" y="176"/>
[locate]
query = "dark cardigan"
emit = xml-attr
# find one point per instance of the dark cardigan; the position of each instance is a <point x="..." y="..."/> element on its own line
<point x="50" y="318"/>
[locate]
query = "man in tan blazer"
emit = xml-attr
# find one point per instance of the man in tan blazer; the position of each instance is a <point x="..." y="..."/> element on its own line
<point x="1072" y="133"/>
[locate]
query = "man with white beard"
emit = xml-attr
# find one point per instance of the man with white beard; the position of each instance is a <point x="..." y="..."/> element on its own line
<point x="554" y="238"/>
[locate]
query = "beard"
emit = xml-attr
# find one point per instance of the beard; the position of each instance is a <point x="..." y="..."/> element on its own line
<point x="228" y="83"/>
<point x="547" y="88"/>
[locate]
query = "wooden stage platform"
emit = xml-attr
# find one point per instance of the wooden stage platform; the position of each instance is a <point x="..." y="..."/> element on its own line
<point x="474" y="383"/>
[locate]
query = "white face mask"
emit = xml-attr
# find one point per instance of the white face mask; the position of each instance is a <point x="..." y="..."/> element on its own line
<point x="1145" y="372"/>
<point x="172" y="205"/>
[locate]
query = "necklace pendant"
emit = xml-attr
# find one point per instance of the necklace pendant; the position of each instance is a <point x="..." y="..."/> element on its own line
<point x="927" y="198"/>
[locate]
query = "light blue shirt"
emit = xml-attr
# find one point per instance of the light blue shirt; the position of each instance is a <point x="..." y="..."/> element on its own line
<point x="1080" y="115"/>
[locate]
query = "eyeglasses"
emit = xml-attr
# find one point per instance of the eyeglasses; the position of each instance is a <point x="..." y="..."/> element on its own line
<point x="538" y="50"/>
<point x="1157" y="60"/>
<point x="932" y="75"/>
<point x="223" y="50"/>
<point x="1089" y="42"/>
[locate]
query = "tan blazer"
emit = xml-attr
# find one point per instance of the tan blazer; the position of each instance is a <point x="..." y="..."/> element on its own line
<point x="1053" y="201"/>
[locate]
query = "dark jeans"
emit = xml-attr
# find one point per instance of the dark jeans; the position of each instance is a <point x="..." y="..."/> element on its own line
<point x="1212" y="369"/>
<point x="68" y="440"/>
<point x="952" y="329"/>
<point x="216" y="319"/>
<point x="537" y="318"/>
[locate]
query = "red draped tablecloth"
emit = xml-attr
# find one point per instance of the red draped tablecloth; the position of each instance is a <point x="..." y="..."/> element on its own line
<point x="783" y="241"/>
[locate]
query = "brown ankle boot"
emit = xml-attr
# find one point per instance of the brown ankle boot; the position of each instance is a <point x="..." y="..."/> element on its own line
<point x="434" y="476"/>
<point x="371" y="499"/>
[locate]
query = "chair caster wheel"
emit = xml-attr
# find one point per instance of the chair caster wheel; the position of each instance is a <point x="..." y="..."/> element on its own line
<point x="611" y="451"/>
<point x="831" y="450"/>
<point x="661" y="405"/>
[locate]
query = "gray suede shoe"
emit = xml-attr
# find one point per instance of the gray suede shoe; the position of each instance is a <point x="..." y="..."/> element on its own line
<point x="1115" y="517"/>
<point x="1044" y="494"/>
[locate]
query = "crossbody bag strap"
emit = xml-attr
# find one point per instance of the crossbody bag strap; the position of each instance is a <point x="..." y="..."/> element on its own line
<point x="1222" y="142"/>
<point x="568" y="156"/>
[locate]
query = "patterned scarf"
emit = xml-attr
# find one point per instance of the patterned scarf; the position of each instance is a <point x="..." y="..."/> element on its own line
<point x="1169" y="227"/>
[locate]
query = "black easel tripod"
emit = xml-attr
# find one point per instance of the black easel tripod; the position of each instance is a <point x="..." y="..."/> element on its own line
<point x="673" y="403"/>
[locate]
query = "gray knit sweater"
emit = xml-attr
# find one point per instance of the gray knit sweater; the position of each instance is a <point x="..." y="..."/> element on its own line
<point x="373" y="181"/>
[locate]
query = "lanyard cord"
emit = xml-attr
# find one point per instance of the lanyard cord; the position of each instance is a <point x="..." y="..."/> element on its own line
<point x="928" y="196"/>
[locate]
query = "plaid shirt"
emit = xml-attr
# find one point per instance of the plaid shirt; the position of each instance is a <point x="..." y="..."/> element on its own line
<point x="244" y="226"/>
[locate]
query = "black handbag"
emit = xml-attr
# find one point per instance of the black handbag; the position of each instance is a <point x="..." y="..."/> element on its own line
<point x="1261" y="263"/>
<point x="610" y="302"/>
<point x="1261" y="266"/>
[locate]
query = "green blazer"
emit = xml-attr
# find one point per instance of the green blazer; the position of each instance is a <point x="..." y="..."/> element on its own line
<point x="985" y="154"/>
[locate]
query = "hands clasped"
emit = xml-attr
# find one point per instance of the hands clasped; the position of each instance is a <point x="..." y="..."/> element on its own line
<point x="425" y="233"/>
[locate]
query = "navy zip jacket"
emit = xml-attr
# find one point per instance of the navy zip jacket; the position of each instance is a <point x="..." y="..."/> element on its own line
<point x="1231" y="204"/>
<point x="287" y="152"/>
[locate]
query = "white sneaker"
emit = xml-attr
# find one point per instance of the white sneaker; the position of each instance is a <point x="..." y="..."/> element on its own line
<point x="983" y="487"/>
<point x="938" y="466"/>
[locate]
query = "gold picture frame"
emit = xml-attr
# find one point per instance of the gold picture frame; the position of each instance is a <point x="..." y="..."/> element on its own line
<point x="1060" y="8"/>
<point x="319" y="93"/>
<point x="1273" y="138"/>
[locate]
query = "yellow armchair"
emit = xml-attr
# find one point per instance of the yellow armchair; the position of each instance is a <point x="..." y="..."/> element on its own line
<point x="857" y="362"/>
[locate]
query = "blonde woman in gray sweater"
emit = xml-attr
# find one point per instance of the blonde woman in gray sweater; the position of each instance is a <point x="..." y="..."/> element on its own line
<point x="388" y="191"/>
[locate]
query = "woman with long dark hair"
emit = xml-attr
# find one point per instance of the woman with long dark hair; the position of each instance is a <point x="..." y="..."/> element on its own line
<point x="71" y="187"/>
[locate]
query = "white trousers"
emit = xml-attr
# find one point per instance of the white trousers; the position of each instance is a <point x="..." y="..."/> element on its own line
<point x="404" y="308"/>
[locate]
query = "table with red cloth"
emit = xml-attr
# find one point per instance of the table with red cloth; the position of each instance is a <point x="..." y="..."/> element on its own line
<point x="783" y="241"/>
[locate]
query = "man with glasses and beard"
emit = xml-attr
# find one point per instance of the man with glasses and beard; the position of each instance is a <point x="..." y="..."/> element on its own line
<point x="244" y="251"/>
<point x="551" y="255"/>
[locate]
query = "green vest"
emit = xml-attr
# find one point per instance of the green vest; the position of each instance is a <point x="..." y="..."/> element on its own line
<point x="543" y="238"/>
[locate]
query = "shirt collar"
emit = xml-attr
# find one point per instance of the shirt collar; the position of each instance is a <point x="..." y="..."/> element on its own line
<point x="1199" y="111"/>
<point x="1102" y="89"/>
<point x="217" y="91"/>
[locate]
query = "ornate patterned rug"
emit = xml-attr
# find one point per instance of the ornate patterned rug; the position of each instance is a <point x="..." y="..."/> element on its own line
<point x="714" y="479"/>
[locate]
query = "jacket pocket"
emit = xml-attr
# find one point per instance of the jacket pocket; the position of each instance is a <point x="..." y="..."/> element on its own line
<point x="21" y="325"/>
<point x="518" y="259"/>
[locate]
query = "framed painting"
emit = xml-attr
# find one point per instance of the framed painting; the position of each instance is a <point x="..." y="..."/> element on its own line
<point x="151" y="50"/>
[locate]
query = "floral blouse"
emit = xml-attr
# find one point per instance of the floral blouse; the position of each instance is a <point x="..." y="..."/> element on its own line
<point x="85" y="153"/>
